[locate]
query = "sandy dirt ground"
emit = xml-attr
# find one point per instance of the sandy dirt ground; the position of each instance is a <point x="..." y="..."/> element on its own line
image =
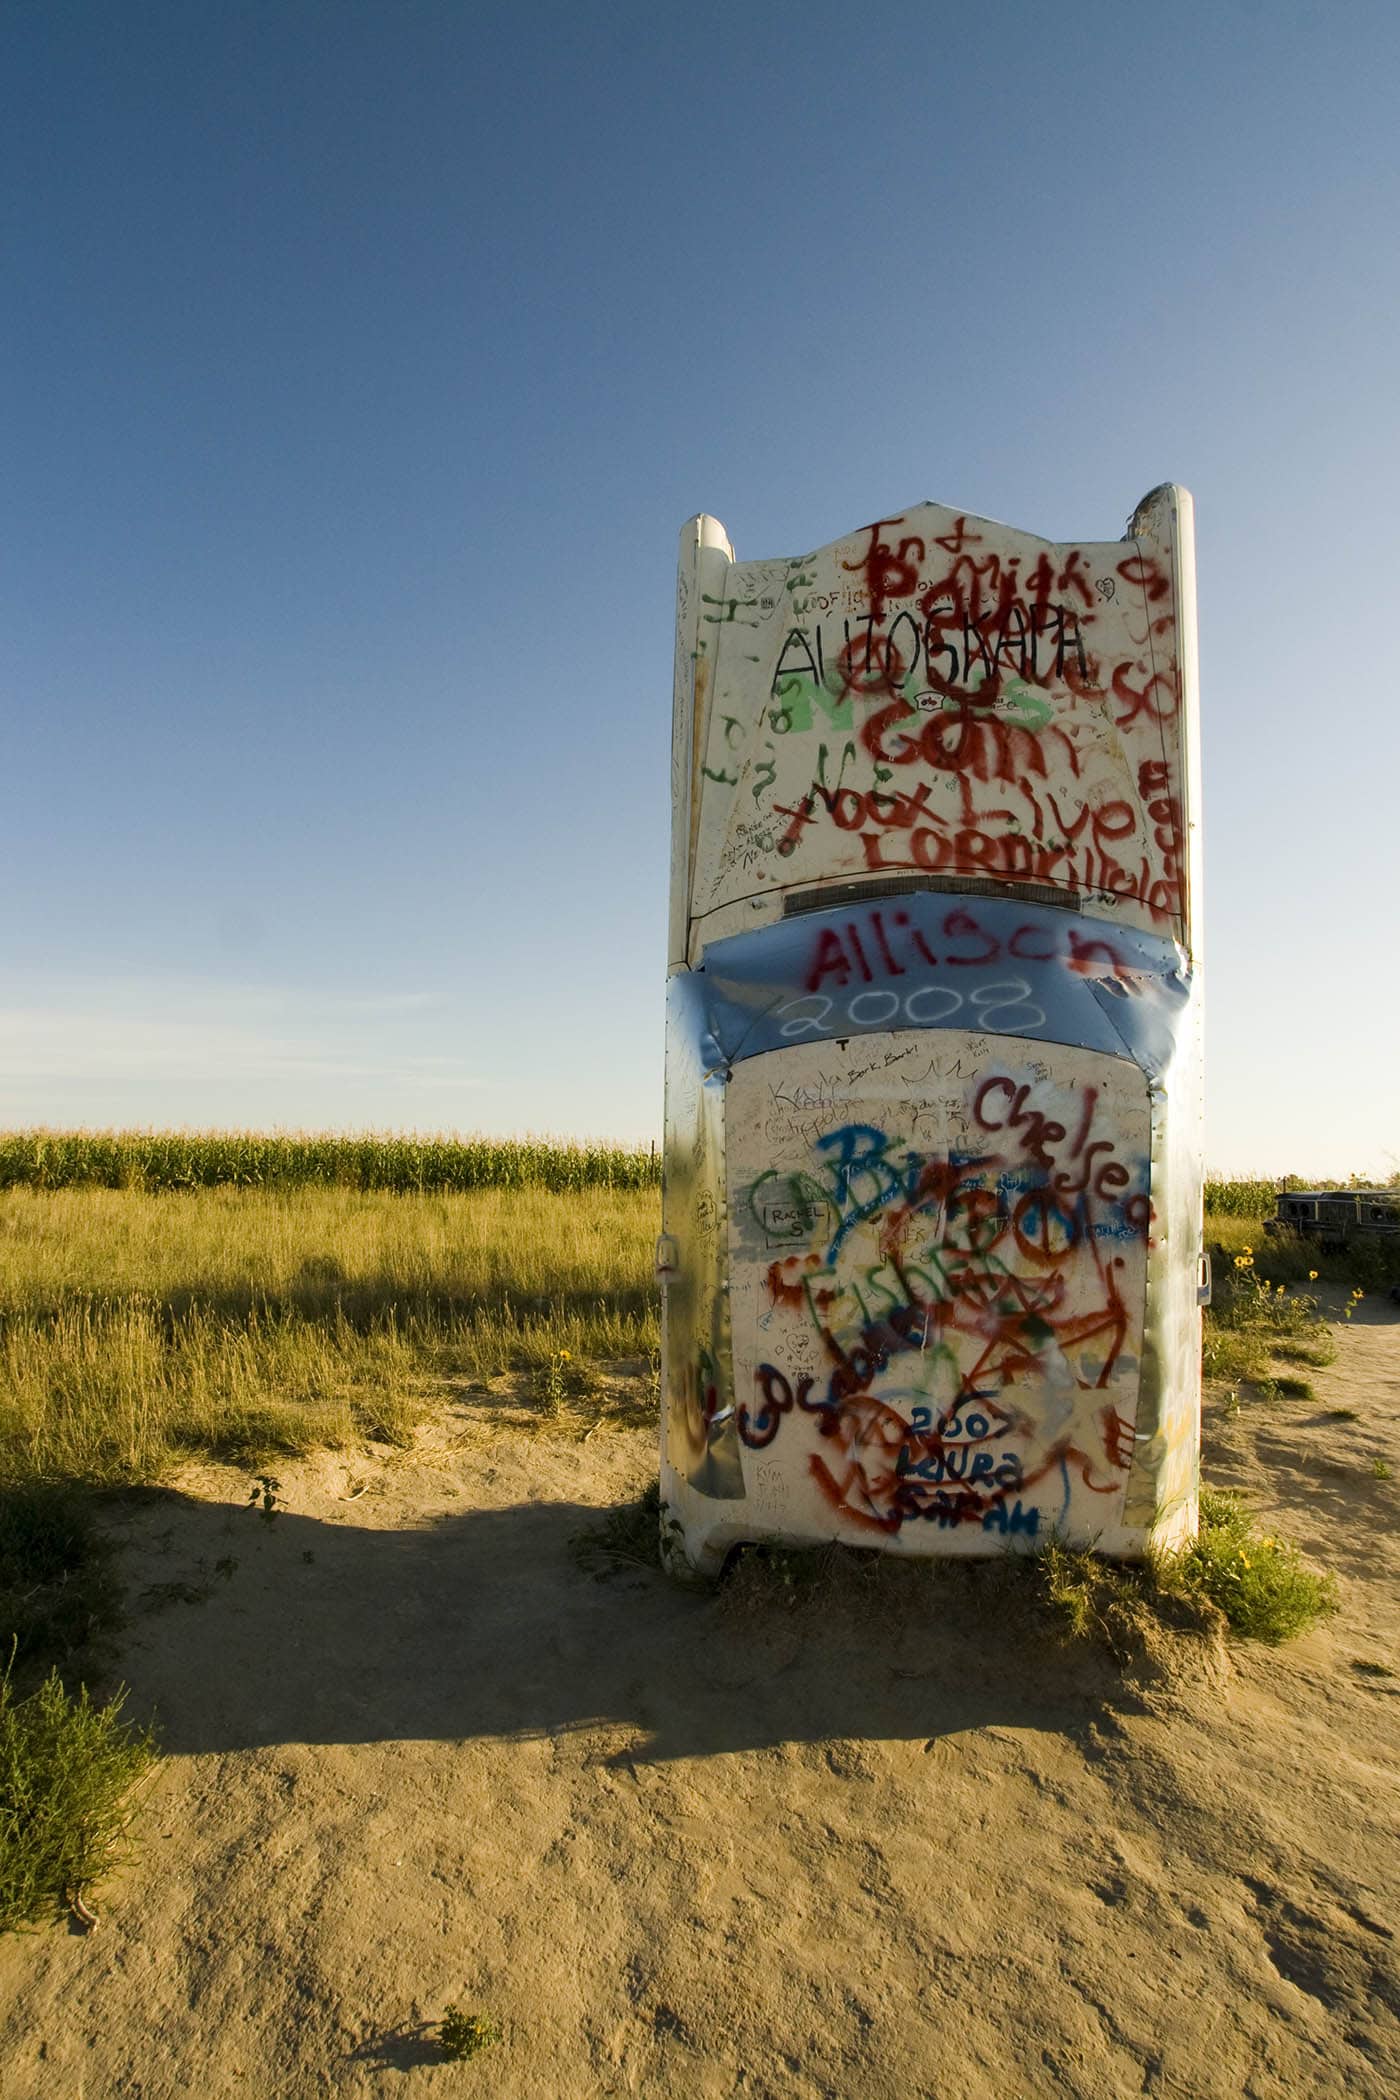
<point x="416" y="1757"/>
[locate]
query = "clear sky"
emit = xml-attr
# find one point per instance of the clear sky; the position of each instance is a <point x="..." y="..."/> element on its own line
<point x="360" y="362"/>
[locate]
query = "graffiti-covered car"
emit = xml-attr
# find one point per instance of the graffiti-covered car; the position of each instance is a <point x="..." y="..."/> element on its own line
<point x="932" y="1190"/>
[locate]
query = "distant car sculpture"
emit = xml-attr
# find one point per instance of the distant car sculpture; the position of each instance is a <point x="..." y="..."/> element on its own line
<point x="1338" y="1218"/>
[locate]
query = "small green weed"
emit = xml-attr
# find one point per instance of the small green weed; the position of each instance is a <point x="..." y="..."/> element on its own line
<point x="1072" y="1584"/>
<point x="1343" y="1414"/>
<point x="1316" y="1355"/>
<point x="573" y="1394"/>
<point x="1261" y="1583"/>
<point x="265" y="1496"/>
<point x="66" y="1771"/>
<point x="464" y="2034"/>
<point x="1380" y="1469"/>
<point x="1242" y="1358"/>
<point x="552" y="1384"/>
<point x="1115" y="1604"/>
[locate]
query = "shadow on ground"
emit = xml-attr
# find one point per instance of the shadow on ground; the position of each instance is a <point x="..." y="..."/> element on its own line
<point x="247" y="1633"/>
<point x="400" y="2049"/>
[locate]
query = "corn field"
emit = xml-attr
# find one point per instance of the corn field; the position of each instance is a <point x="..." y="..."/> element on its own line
<point x="1242" y="1199"/>
<point x="156" y="1160"/>
<point x="375" y="1161"/>
<point x="1257" y="1199"/>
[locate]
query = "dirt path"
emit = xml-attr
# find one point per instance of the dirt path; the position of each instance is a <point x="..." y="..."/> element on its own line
<point x="415" y="1756"/>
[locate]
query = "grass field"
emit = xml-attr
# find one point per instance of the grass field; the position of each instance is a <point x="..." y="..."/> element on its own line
<point x="138" y="1328"/>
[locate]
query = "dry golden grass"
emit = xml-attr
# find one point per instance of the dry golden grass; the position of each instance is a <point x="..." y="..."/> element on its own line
<point x="135" y="1328"/>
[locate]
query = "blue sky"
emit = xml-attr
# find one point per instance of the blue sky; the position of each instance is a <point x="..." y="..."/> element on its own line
<point x="361" y="362"/>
